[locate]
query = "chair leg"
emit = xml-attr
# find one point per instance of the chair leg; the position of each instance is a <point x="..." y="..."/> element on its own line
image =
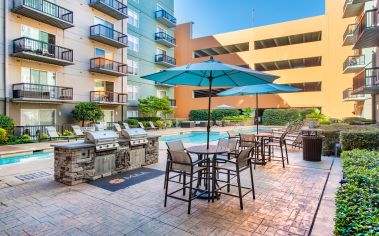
<point x="252" y="180"/>
<point x="184" y="184"/>
<point x="285" y="145"/>
<point x="228" y="179"/>
<point x="213" y="180"/>
<point x="166" y="184"/>
<point x="165" y="176"/>
<point x="190" y="194"/>
<point x="239" y="187"/>
<point x="208" y="181"/>
<point x="281" y="151"/>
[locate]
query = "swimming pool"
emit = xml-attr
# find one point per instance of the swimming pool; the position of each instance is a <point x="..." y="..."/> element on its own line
<point x="201" y="137"/>
<point x="25" y="158"/>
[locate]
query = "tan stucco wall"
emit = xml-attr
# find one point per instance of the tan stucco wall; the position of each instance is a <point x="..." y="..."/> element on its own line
<point x="76" y="38"/>
<point x="330" y="72"/>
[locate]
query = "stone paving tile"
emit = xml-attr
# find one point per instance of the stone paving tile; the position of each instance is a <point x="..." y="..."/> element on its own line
<point x="285" y="204"/>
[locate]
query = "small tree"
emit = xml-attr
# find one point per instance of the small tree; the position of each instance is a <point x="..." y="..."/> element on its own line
<point x="145" y="106"/>
<point x="7" y="123"/>
<point x="150" y="106"/>
<point x="87" y="111"/>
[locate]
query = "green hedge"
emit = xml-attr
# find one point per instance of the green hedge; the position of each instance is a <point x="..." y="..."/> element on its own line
<point x="281" y="116"/>
<point x="355" y="120"/>
<point x="359" y="139"/>
<point x="236" y="118"/>
<point x="153" y="119"/>
<point x="201" y="115"/>
<point x="357" y="201"/>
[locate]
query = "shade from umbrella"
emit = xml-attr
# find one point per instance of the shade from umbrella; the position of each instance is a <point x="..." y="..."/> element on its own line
<point x="211" y="73"/>
<point x="256" y="90"/>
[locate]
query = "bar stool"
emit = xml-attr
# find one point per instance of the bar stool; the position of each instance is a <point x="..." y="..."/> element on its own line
<point x="281" y="143"/>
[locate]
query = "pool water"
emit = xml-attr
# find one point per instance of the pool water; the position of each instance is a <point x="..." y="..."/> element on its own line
<point x="26" y="157"/>
<point x="201" y="137"/>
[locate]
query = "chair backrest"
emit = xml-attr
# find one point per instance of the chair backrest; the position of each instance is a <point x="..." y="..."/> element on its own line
<point x="99" y="127"/>
<point x="181" y="161"/>
<point x="231" y="144"/>
<point x="117" y="127"/>
<point x="152" y="124"/>
<point x="52" y="132"/>
<point x="223" y="143"/>
<point x="244" y="156"/>
<point x="141" y="125"/>
<point x="126" y="125"/>
<point x="176" y="146"/>
<point x="283" y="135"/>
<point x="247" y="140"/>
<point x="231" y="134"/>
<point x="77" y="130"/>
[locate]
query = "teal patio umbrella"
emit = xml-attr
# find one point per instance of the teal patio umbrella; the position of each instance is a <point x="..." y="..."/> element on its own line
<point x="211" y="73"/>
<point x="256" y="90"/>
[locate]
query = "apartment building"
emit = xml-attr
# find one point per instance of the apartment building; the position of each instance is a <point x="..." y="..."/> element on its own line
<point x="362" y="37"/>
<point x="151" y="49"/>
<point x="305" y="53"/>
<point x="61" y="52"/>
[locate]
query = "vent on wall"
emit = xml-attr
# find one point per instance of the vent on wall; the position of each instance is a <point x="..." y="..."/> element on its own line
<point x="234" y="48"/>
<point x="289" y="64"/>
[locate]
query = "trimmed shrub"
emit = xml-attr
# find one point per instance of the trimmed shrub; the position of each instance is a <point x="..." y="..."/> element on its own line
<point x="141" y="119"/>
<point x="355" y="120"/>
<point x="169" y="123"/>
<point x="68" y="133"/>
<point x="198" y="115"/>
<point x="236" y="118"/>
<point x="359" y="140"/>
<point x="357" y="200"/>
<point x="3" y="135"/>
<point x="331" y="138"/>
<point x="7" y="123"/>
<point x="132" y="121"/>
<point x="202" y="115"/>
<point x="24" y="139"/>
<point x="280" y="116"/>
<point x="159" y="123"/>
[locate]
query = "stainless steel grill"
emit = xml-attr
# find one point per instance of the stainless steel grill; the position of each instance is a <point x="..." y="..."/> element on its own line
<point x="104" y="140"/>
<point x="136" y="136"/>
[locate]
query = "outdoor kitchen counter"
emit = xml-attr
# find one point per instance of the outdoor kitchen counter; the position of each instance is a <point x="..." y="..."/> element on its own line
<point x="74" y="145"/>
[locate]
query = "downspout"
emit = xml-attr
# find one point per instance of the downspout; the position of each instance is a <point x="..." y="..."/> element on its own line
<point x="122" y="80"/>
<point x="5" y="112"/>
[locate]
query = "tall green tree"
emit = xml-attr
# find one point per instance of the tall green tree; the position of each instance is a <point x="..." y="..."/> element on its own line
<point x="152" y="105"/>
<point x="87" y="111"/>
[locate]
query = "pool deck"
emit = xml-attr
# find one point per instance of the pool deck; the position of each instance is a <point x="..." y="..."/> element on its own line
<point x="297" y="200"/>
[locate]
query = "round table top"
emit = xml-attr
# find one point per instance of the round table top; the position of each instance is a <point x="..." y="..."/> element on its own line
<point x="213" y="149"/>
<point x="264" y="135"/>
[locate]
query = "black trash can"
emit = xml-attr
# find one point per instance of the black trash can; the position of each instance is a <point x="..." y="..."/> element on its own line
<point x="312" y="148"/>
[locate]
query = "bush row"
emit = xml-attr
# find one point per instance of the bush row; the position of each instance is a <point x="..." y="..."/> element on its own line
<point x="357" y="200"/>
<point x="281" y="116"/>
<point x="202" y="115"/>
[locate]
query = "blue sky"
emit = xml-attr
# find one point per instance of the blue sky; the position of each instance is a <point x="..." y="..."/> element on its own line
<point x="218" y="16"/>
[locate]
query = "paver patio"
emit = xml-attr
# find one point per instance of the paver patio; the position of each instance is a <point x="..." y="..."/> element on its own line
<point x="286" y="203"/>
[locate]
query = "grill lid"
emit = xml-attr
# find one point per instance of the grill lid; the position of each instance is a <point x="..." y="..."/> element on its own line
<point x="134" y="133"/>
<point x="106" y="136"/>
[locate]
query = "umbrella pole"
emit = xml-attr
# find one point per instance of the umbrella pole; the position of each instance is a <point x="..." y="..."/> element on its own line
<point x="209" y="109"/>
<point x="256" y="112"/>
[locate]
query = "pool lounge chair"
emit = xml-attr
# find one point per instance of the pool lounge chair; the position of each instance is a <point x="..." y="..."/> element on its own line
<point x="117" y="128"/>
<point x="141" y="125"/>
<point x="152" y="125"/>
<point x="77" y="131"/>
<point x="53" y="134"/>
<point x="126" y="125"/>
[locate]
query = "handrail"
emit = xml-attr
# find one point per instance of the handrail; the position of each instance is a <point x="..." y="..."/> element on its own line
<point x="165" y="58"/>
<point x="108" y="97"/>
<point x="41" y="91"/>
<point x="26" y="44"/>
<point x="165" y="36"/>
<point x="115" y="4"/>
<point x="46" y="7"/>
<point x="354" y="61"/>
<point x="166" y="15"/>
<point x="108" y="32"/>
<point x="103" y="63"/>
<point x="367" y="78"/>
<point x="349" y="30"/>
<point x="368" y="20"/>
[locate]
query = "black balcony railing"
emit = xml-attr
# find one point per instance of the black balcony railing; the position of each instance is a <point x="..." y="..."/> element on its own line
<point x="354" y="61"/>
<point x="164" y="14"/>
<point x="47" y="8"/>
<point x="348" y="95"/>
<point x="163" y="58"/>
<point x="164" y="36"/>
<point x="117" y="5"/>
<point x="105" y="64"/>
<point x="41" y="91"/>
<point x="108" y="32"/>
<point x="173" y="102"/>
<point x="367" y="79"/>
<point x="349" y="30"/>
<point x="368" y="20"/>
<point x="109" y="97"/>
<point x="36" y="131"/>
<point x="37" y="47"/>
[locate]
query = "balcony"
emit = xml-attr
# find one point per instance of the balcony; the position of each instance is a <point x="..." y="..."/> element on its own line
<point x="164" y="85"/>
<point x="108" y="67"/>
<point x="109" y="98"/>
<point x="114" y="8"/>
<point x="353" y="8"/>
<point x="354" y="64"/>
<point x="367" y="31"/>
<point x="173" y="102"/>
<point x="349" y="96"/>
<point x="25" y="92"/>
<point x="165" y="18"/>
<point x="31" y="49"/>
<point x="348" y="37"/>
<point x="44" y="11"/>
<point x="165" y="39"/>
<point x="164" y="60"/>
<point x="366" y="82"/>
<point x="109" y="36"/>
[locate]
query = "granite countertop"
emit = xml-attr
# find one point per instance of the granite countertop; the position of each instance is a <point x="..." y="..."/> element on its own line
<point x="73" y="145"/>
<point x="153" y="136"/>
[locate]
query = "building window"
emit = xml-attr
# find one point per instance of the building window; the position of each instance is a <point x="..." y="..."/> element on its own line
<point x="133" y="18"/>
<point x="132" y="114"/>
<point x="132" y="67"/>
<point x="32" y="76"/>
<point x="108" y="116"/>
<point x="289" y="64"/>
<point x="30" y="117"/>
<point x="288" y="40"/>
<point x="27" y="31"/>
<point x="133" y="43"/>
<point x="221" y="50"/>
<point x="307" y="86"/>
<point x="161" y="93"/>
<point x="161" y="51"/>
<point x="133" y="92"/>
<point x="161" y="29"/>
<point x="104" y="86"/>
<point x="102" y="53"/>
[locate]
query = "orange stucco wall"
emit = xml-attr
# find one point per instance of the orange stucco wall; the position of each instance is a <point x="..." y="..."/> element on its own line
<point x="330" y="72"/>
